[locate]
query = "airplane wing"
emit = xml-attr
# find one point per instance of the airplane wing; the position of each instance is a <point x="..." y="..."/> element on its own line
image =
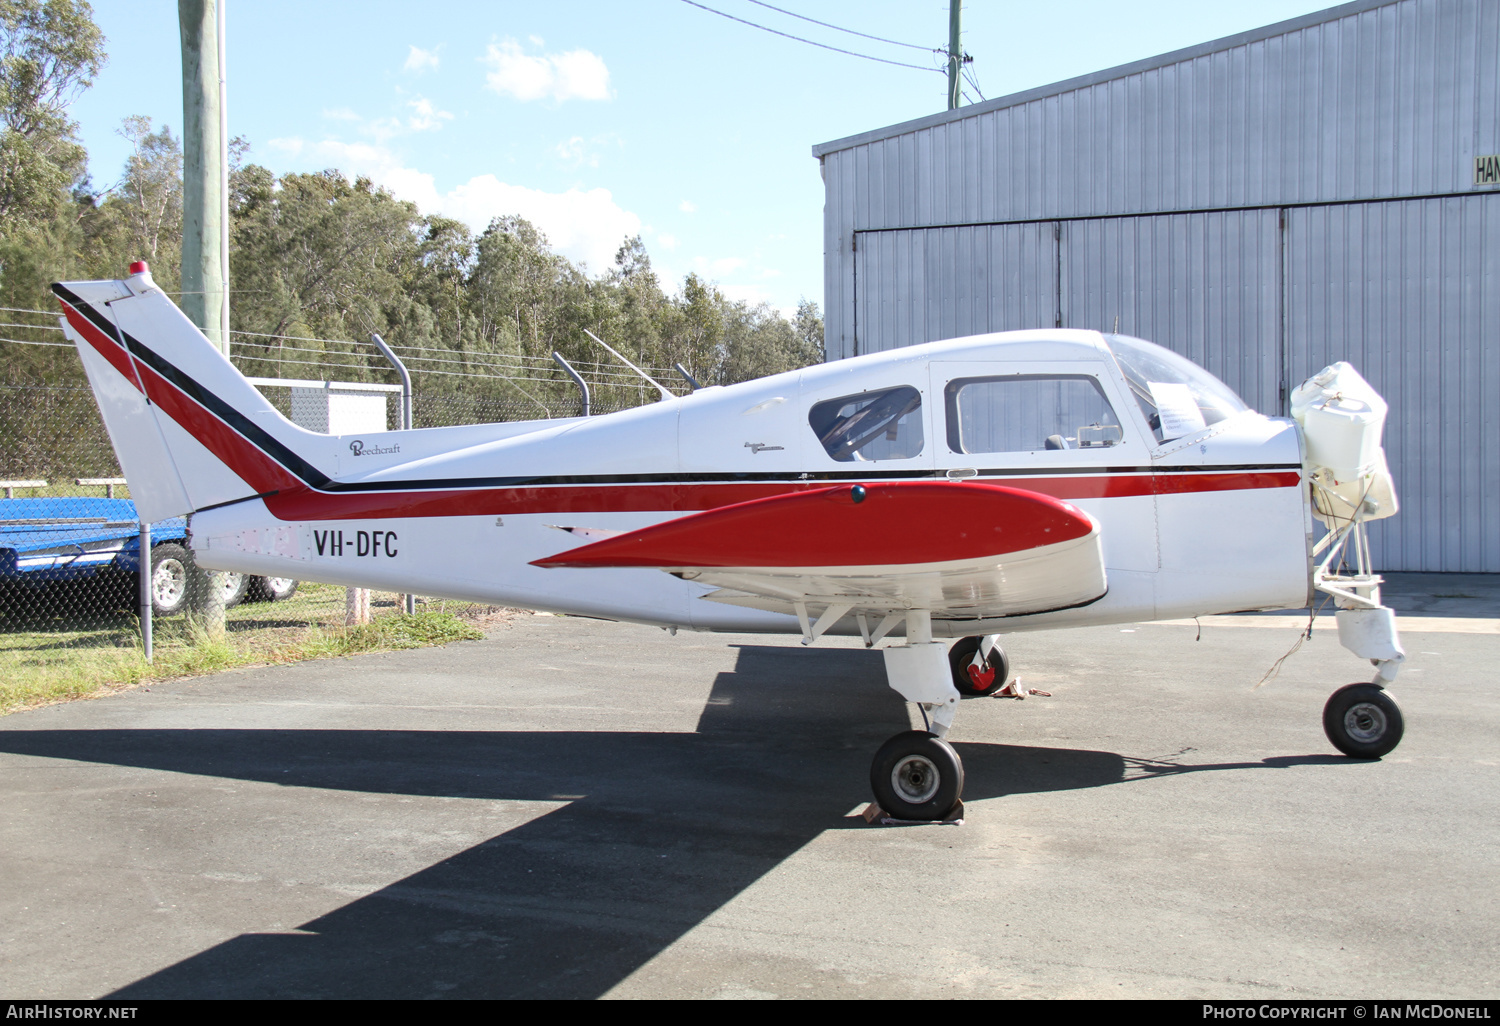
<point x="954" y="548"/>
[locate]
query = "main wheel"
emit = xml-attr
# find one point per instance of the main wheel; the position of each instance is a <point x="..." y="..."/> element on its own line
<point x="270" y="589"/>
<point x="1363" y="721"/>
<point x="170" y="564"/>
<point x="973" y="682"/>
<point x="917" y="775"/>
<point x="233" y="586"/>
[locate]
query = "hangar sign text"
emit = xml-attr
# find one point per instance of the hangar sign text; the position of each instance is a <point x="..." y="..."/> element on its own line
<point x="1487" y="170"/>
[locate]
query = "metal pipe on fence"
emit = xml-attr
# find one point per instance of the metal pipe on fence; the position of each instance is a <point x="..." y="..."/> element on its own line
<point x="408" y="601"/>
<point x="395" y="360"/>
<point x="583" y="386"/>
<point x="144" y="564"/>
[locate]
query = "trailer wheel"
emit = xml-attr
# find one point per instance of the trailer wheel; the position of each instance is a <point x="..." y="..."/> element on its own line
<point x="234" y="586"/>
<point x="170" y="565"/>
<point x="270" y="589"/>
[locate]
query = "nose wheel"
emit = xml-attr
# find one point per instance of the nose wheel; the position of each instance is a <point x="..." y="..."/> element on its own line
<point x="917" y="775"/>
<point x="1363" y="721"/>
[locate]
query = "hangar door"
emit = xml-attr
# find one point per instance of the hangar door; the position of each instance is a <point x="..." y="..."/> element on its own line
<point x="1204" y="285"/>
<point x="1408" y="291"/>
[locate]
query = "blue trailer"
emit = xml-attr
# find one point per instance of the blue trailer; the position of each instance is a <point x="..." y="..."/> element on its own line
<point x="45" y="543"/>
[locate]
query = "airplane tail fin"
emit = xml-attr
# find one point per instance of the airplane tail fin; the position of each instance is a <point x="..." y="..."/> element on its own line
<point x="190" y="431"/>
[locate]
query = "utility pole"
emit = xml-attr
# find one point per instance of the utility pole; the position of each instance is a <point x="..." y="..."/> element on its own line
<point x="205" y="296"/>
<point x="955" y="51"/>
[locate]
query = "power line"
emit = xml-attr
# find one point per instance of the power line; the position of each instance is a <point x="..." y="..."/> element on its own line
<point x="809" y="42"/>
<point x="541" y="360"/>
<point x="969" y="77"/>
<point x="21" y="342"/>
<point x="491" y="360"/>
<point x="836" y="28"/>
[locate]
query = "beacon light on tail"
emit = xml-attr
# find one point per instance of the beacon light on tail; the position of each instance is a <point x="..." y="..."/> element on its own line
<point x="962" y="490"/>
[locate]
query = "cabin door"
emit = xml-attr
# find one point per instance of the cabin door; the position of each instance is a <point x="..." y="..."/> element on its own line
<point x="1062" y="429"/>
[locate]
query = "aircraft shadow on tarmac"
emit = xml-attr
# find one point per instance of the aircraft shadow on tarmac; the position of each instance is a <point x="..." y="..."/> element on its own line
<point x="572" y="902"/>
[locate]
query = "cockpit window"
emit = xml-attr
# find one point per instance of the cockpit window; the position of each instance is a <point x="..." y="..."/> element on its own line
<point x="1177" y="396"/>
<point x="885" y="424"/>
<point x="1029" y="413"/>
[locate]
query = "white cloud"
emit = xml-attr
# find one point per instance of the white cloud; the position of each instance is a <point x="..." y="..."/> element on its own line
<point x="420" y="60"/>
<point x="575" y="75"/>
<point x="754" y="295"/>
<point x="584" y="225"/>
<point x="667" y="241"/>
<point x="426" y="117"/>
<point x="340" y="114"/>
<point x="717" y="268"/>
<point x="575" y="153"/>
<point x="688" y="207"/>
<point x="290" y="146"/>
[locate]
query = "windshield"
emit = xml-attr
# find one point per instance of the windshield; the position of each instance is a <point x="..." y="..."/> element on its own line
<point x="1177" y="396"/>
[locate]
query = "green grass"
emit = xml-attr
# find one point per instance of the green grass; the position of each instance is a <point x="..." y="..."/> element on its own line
<point x="53" y="655"/>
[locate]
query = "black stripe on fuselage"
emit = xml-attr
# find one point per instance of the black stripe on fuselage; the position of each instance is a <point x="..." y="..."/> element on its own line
<point x="317" y="480"/>
<point x="252" y="433"/>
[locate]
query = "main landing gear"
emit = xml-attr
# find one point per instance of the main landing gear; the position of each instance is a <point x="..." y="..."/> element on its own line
<point x="916" y="774"/>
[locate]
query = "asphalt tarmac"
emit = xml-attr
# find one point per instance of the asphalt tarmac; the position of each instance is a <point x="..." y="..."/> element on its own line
<point x="574" y="808"/>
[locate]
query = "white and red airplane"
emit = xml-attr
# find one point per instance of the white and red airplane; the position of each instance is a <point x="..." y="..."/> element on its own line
<point x="964" y="489"/>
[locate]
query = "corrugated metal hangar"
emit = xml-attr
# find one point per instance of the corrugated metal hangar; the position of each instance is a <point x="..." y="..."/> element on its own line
<point x="1326" y="188"/>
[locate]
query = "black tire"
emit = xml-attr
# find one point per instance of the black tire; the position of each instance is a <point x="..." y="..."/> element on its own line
<point x="235" y="587"/>
<point x="959" y="658"/>
<point x="917" y="775"/>
<point x="1363" y="721"/>
<point x="171" y="574"/>
<point x="270" y="589"/>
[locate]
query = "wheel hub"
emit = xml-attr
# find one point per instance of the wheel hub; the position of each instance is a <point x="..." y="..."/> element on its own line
<point x="915" y="779"/>
<point x="168" y="581"/>
<point x="1365" y="722"/>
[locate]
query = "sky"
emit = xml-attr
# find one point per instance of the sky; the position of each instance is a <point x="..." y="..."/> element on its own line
<point x="602" y="120"/>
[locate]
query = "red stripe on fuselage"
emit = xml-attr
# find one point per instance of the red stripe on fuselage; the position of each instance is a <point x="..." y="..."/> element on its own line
<point x="307" y="504"/>
<point x="297" y="501"/>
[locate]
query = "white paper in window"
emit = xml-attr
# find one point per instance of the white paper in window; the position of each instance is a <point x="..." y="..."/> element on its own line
<point x="1177" y="409"/>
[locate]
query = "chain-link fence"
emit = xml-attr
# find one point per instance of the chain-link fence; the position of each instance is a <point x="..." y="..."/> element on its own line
<point x="70" y="555"/>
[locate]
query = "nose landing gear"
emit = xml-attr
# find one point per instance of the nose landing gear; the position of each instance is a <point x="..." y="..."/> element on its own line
<point x="1363" y="721"/>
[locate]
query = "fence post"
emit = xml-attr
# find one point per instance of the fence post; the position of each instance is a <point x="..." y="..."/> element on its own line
<point x="408" y="601"/>
<point x="205" y="598"/>
<point x="144" y="565"/>
<point x="356" y="606"/>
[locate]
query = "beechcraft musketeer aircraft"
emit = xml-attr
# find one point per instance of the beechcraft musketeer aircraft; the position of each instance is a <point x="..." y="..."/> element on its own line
<point x="966" y="489"/>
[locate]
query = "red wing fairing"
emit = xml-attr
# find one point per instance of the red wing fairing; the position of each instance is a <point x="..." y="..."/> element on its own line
<point x="964" y="549"/>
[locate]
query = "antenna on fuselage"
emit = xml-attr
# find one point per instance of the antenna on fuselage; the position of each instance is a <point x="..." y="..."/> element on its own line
<point x="659" y="387"/>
